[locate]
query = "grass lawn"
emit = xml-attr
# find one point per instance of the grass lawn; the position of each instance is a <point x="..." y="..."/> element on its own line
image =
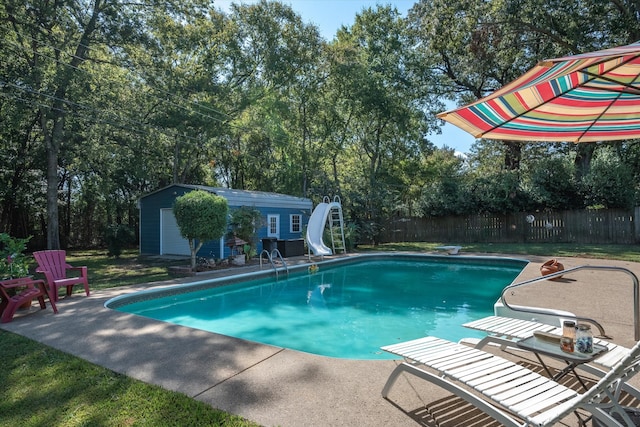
<point x="42" y="386"/>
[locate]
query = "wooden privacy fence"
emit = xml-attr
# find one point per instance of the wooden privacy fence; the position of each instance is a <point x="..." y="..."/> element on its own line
<point x="584" y="226"/>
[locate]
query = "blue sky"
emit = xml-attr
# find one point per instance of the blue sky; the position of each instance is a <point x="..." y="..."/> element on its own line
<point x="330" y="15"/>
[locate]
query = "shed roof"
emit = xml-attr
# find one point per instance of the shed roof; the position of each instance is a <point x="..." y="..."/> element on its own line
<point x="249" y="198"/>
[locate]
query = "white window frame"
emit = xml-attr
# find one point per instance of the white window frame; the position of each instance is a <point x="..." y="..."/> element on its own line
<point x="273" y="225"/>
<point x="297" y="221"/>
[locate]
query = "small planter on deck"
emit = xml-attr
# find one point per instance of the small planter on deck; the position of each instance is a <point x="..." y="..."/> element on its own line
<point x="550" y="267"/>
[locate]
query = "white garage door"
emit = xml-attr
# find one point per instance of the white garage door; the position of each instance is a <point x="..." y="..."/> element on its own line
<point x="171" y="242"/>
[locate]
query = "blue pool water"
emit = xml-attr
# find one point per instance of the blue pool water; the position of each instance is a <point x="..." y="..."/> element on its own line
<point x="345" y="311"/>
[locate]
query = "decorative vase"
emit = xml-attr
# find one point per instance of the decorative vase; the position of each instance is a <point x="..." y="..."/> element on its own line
<point x="550" y="267"/>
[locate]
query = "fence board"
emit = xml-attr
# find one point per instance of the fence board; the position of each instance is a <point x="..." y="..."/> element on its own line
<point x="612" y="226"/>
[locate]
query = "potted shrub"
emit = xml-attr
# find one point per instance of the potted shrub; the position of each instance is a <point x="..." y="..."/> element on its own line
<point x="244" y="223"/>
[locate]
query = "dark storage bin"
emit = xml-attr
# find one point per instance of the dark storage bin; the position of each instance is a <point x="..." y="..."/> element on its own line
<point x="269" y="244"/>
<point x="289" y="248"/>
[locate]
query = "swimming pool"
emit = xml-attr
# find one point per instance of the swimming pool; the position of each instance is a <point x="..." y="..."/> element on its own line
<point x="347" y="309"/>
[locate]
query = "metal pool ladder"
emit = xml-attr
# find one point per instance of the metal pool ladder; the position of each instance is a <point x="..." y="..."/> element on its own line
<point x="270" y="256"/>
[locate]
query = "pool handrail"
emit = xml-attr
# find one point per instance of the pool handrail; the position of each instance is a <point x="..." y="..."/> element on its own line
<point x="270" y="257"/>
<point x="636" y="294"/>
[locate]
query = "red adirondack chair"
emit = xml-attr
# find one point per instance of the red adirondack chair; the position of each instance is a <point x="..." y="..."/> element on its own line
<point x="54" y="266"/>
<point x="26" y="290"/>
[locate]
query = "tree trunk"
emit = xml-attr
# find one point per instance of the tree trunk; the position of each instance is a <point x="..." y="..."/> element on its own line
<point x="582" y="162"/>
<point x="55" y="118"/>
<point x="513" y="155"/>
<point x="53" y="232"/>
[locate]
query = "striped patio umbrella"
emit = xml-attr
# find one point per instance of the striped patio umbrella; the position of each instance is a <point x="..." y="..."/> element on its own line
<point x="581" y="98"/>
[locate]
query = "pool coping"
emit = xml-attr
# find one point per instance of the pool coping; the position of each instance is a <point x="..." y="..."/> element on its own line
<point x="266" y="384"/>
<point x="298" y="268"/>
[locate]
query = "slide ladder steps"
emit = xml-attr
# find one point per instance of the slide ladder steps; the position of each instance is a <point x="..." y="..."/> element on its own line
<point x="336" y="224"/>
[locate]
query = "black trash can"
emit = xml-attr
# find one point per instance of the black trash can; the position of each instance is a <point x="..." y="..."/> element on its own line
<point x="269" y="244"/>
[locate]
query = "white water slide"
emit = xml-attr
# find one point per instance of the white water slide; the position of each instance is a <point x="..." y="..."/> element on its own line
<point x="316" y="227"/>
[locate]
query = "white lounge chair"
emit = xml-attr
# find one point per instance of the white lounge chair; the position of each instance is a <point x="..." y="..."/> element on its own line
<point x="508" y="392"/>
<point x="506" y="331"/>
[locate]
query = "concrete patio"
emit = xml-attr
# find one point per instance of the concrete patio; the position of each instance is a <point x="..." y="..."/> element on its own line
<point x="280" y="387"/>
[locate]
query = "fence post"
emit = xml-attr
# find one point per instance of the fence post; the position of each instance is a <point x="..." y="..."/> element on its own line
<point x="636" y="224"/>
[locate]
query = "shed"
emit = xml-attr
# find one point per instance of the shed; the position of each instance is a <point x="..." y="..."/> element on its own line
<point x="284" y="218"/>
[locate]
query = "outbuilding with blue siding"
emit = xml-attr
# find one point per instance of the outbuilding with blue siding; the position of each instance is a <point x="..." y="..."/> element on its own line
<point x="284" y="218"/>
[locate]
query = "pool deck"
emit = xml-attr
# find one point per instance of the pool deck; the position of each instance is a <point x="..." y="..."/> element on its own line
<point x="279" y="387"/>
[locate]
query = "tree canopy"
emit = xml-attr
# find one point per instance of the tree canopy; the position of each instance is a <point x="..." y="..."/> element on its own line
<point x="105" y="101"/>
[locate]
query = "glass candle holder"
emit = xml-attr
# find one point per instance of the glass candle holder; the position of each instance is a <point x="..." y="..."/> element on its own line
<point x="566" y="344"/>
<point x="569" y="329"/>
<point x="568" y="336"/>
<point x="584" y="338"/>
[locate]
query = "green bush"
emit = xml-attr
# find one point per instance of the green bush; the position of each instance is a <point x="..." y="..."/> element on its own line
<point x="201" y="216"/>
<point x="13" y="261"/>
<point x="117" y="237"/>
<point x="244" y="223"/>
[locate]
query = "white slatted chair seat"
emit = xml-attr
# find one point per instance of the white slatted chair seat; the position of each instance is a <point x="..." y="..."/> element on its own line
<point x="508" y="387"/>
<point x="510" y="328"/>
<point x="505" y="329"/>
